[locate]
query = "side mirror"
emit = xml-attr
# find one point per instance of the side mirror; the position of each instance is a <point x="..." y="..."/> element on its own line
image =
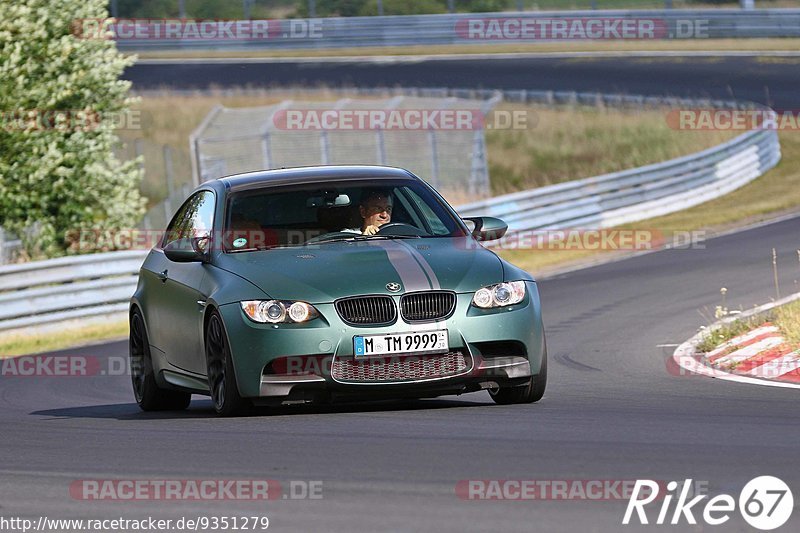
<point x="187" y="250"/>
<point x="487" y="228"/>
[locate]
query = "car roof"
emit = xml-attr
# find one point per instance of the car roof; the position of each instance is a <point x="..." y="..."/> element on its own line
<point x="312" y="174"/>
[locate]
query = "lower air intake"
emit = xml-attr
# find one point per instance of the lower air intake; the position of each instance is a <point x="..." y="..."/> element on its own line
<point x="399" y="368"/>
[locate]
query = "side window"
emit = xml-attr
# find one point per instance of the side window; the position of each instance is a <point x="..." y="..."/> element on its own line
<point x="194" y="218"/>
<point x="436" y="225"/>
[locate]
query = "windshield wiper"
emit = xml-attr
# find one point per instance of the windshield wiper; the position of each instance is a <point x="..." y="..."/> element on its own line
<point x="368" y="237"/>
<point x="337" y="238"/>
<point x="259" y="248"/>
<point x="359" y="238"/>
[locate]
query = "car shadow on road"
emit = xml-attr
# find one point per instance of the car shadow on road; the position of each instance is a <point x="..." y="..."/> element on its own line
<point x="202" y="408"/>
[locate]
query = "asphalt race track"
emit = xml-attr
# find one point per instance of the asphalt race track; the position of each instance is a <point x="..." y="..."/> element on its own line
<point x="771" y="81"/>
<point x="612" y="411"/>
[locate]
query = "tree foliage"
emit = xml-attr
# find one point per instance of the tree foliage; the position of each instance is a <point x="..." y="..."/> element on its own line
<point x="60" y="98"/>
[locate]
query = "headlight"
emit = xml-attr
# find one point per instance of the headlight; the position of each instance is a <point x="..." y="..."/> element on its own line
<point x="499" y="295"/>
<point x="278" y="311"/>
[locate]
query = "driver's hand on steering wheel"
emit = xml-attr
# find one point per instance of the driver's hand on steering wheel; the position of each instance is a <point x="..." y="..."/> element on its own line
<point x="370" y="230"/>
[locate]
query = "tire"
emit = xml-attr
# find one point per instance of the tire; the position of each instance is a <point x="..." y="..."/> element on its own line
<point x="149" y="396"/>
<point x="221" y="376"/>
<point x="528" y="393"/>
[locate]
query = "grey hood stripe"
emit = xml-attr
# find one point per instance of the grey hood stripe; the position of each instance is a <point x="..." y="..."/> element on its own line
<point x="434" y="281"/>
<point x="412" y="276"/>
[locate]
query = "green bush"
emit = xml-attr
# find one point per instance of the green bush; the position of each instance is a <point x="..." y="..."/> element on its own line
<point x="59" y="174"/>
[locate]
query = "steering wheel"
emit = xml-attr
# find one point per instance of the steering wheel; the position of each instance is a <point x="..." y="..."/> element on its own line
<point x="401" y="228"/>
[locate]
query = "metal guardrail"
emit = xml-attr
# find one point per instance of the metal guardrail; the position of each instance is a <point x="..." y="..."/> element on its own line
<point x="73" y="287"/>
<point x="47" y="292"/>
<point x="76" y="287"/>
<point x="448" y="29"/>
<point x="637" y="194"/>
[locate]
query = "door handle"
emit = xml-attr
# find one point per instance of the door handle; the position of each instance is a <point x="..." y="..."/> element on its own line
<point x="163" y="275"/>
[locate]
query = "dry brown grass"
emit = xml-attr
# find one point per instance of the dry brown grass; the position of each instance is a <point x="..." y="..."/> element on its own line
<point x="773" y="193"/>
<point x="688" y="45"/>
<point x="21" y="343"/>
<point x="787" y="318"/>
<point x="576" y="142"/>
<point x="168" y="120"/>
<point x="557" y="145"/>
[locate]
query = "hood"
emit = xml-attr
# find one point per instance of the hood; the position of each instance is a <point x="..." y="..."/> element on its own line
<point x="326" y="272"/>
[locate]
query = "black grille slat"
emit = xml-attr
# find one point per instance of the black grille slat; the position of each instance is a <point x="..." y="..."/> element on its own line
<point x="415" y="307"/>
<point x="367" y="310"/>
<point x="400" y="368"/>
<point x="426" y="306"/>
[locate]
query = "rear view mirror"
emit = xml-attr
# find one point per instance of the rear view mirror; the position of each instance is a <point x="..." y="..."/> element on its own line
<point x="332" y="200"/>
<point x="342" y="200"/>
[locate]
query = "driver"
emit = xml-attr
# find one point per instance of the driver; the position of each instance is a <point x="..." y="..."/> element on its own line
<point x="375" y="210"/>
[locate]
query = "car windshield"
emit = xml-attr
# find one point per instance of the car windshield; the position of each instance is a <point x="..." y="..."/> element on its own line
<point x="320" y="213"/>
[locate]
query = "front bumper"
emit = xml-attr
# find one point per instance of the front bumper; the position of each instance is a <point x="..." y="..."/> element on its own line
<point x="501" y="347"/>
<point x="483" y="374"/>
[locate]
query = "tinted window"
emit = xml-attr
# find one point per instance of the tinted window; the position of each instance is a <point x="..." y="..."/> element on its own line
<point x="292" y="215"/>
<point x="431" y="219"/>
<point x="194" y="218"/>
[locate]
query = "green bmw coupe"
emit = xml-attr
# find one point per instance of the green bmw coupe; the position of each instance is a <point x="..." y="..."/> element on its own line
<point x="330" y="283"/>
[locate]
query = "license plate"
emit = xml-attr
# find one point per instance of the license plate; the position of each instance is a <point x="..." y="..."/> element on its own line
<point x="388" y="344"/>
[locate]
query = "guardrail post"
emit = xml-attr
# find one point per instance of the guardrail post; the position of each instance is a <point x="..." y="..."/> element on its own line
<point x="170" y="180"/>
<point x="138" y="151"/>
<point x="266" y="154"/>
<point x="325" y="148"/>
<point x="434" y="158"/>
<point x="381" y="145"/>
<point x="479" y="171"/>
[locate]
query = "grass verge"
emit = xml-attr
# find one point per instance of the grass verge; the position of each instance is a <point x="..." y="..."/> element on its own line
<point x="168" y="120"/>
<point x="787" y="318"/>
<point x="688" y="45"/>
<point x="568" y="143"/>
<point x="728" y="331"/>
<point x="556" y="144"/>
<point x="772" y="194"/>
<point x="31" y="343"/>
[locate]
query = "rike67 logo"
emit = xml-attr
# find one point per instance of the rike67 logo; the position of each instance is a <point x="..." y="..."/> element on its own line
<point x="765" y="503"/>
